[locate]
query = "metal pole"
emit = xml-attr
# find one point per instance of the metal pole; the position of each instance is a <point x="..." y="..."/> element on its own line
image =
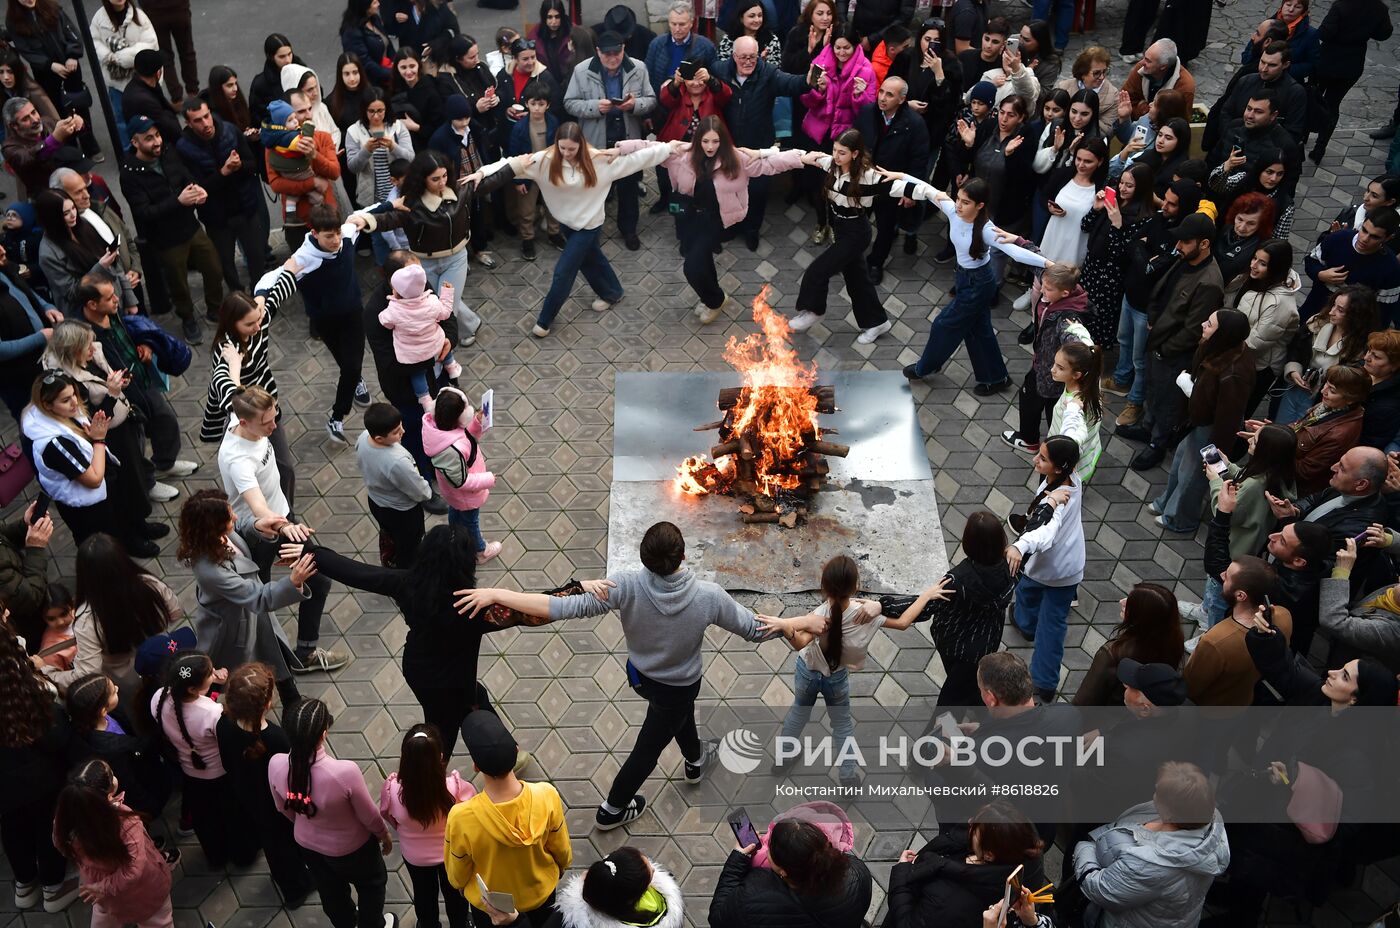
<point x="98" y="76"/>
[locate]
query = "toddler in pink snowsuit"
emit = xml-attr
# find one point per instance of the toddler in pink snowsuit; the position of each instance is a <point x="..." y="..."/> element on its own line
<point x="413" y="314"/>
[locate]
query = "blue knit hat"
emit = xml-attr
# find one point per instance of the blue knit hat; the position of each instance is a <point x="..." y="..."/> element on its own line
<point x="985" y="91"/>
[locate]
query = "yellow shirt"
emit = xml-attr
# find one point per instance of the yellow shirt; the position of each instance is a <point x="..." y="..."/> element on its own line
<point x="519" y="847"/>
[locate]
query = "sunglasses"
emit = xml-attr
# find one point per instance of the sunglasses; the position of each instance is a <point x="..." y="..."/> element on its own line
<point x="522" y="45"/>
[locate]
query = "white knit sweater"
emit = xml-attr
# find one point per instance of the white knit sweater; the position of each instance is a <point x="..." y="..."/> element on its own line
<point x="573" y="204"/>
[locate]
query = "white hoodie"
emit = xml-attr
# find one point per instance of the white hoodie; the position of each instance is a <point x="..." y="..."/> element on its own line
<point x="292" y="75"/>
<point x="1054" y="553"/>
<point x="42" y="429"/>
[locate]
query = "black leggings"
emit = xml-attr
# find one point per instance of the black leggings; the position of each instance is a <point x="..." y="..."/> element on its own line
<point x="670" y="717"/>
<point x="26" y="834"/>
<point x="701" y="231"/>
<point x="446" y="707"/>
<point x="220" y="823"/>
<point x="426" y="883"/>
<point x="844" y="256"/>
<point x="1033" y="408"/>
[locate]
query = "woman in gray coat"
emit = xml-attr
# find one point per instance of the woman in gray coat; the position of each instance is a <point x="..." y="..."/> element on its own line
<point x="72" y="247"/>
<point x="234" y="621"/>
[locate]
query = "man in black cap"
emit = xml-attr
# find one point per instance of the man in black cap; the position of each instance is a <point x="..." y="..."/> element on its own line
<point x="1180" y="303"/>
<point x="145" y="97"/>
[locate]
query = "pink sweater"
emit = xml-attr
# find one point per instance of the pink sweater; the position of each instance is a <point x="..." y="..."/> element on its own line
<point x="420" y="846"/>
<point x="414" y="322"/>
<point x="732" y="193"/>
<point x="201" y="716"/>
<point x="831" y="113"/>
<point x="477" y="481"/>
<point x="345" y="814"/>
<point x="137" y="889"/>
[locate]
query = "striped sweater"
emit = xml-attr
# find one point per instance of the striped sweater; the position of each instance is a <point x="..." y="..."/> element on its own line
<point x="256" y="370"/>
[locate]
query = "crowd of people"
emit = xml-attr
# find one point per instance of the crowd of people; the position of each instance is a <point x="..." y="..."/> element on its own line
<point x="1129" y="214"/>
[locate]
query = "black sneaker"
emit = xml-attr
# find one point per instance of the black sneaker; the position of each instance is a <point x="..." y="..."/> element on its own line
<point x="911" y="372"/>
<point x="1046" y="697"/>
<point x="911" y="243"/>
<point x="335" y="431"/>
<point x="1135" y="432"/>
<point x="632" y="242"/>
<point x="527" y="249"/>
<point x="709" y="752"/>
<point x="876" y="274"/>
<point x="153" y="530"/>
<point x="607" y="821"/>
<point x="142" y="548"/>
<point x="946" y="255"/>
<point x="557" y="240"/>
<point x="751" y="241"/>
<point x="987" y="389"/>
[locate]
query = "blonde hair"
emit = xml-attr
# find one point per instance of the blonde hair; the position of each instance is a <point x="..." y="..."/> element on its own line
<point x="248" y="402"/>
<point x="1062" y="277"/>
<point x="69" y="340"/>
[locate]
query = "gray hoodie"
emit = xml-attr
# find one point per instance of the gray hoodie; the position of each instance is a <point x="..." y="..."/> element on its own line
<point x="664" y="620"/>
<point x="1149" y="879"/>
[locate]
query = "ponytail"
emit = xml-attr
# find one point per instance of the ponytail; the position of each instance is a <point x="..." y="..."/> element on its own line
<point x="979" y="192"/>
<point x="614" y="885"/>
<point x="840" y="579"/>
<point x="306" y="725"/>
<point x="1087" y="362"/>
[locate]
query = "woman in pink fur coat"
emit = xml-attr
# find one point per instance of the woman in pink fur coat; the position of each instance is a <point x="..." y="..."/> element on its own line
<point x="847" y="83"/>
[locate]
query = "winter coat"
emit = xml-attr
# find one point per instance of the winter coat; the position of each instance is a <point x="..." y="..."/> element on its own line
<point x="141" y="99"/>
<point x="372" y="48"/>
<point x="1273" y="319"/>
<point x="752" y="897"/>
<point x="135" y="759"/>
<point x="1179" y="80"/>
<point x="1304" y="46"/>
<point x="681" y="110"/>
<point x="162" y="221"/>
<point x="505" y="90"/>
<point x="1345" y="35"/>
<point x="1056" y="324"/>
<point x="1175" y="317"/>
<point x="1369" y="629"/>
<point x="941" y="888"/>
<point x="134" y="891"/>
<point x="749" y="115"/>
<point x="440" y="225"/>
<point x="732" y="193"/>
<point x="235" y="617"/>
<point x="574" y="912"/>
<point x="325" y="163"/>
<point x="417" y="334"/>
<point x="1220" y="393"/>
<point x="1253" y="520"/>
<point x="470" y="83"/>
<point x="586" y="92"/>
<point x="1322" y="444"/>
<point x="46" y="47"/>
<point x="944" y="100"/>
<point x="458" y="463"/>
<point x="901" y="147"/>
<point x="231" y="196"/>
<point x="833" y="112"/>
<point x="1289" y="94"/>
<point x="437" y="22"/>
<point x="64" y="274"/>
<point x="92" y="386"/>
<point x="24" y="571"/>
<point x="1380" y="423"/>
<point x="361" y="161"/>
<point x="117" y="45"/>
<point x="967" y="625"/>
<point x="519" y="142"/>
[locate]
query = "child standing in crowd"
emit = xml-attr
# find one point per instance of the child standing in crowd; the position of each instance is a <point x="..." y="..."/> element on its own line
<point x="413" y="314"/>
<point x="526" y="137"/>
<point x="1060" y="316"/>
<point x="58" y="626"/>
<point x="124" y="876"/>
<point x="1079" y="410"/>
<point x="397" y="491"/>
<point x="1052" y="544"/>
<point x="101" y="729"/>
<point x="461" y="467"/>
<point x="186" y="717"/>
<point x="334" y="819"/>
<point x="824" y="661"/>
<point x="415" y="802"/>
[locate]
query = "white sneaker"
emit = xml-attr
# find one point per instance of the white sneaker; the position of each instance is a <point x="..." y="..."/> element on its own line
<point x="493" y="548"/>
<point x="599" y="306"/>
<point x="1023" y="302"/>
<point x="1130" y="59"/>
<point x="1191" y="612"/>
<point x="803" y="321"/>
<point x="868" y="336"/>
<point x="700" y="308"/>
<point x="162" y="493"/>
<point x="466" y="341"/>
<point x="178" y="469"/>
<point x="539" y="331"/>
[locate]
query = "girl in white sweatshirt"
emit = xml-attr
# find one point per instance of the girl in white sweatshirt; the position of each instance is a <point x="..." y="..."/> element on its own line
<point x="574" y="180"/>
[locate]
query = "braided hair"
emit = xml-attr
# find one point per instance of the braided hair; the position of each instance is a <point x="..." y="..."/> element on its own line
<point x="185" y="676"/>
<point x="247" y="696"/>
<point x="87" y="699"/>
<point x="87" y="824"/>
<point x="306" y="724"/>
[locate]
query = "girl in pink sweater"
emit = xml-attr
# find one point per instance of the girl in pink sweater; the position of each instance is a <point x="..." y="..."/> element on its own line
<point x="124" y="877"/>
<point x="413" y="314"/>
<point x="450" y="434"/>
<point x="415" y="802"/>
<point x="333" y="818"/>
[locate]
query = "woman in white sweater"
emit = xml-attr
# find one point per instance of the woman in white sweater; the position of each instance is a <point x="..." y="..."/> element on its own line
<point x="119" y="31"/>
<point x="574" y="180"/>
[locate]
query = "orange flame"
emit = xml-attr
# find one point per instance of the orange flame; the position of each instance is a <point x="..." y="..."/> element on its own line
<point x="776" y="408"/>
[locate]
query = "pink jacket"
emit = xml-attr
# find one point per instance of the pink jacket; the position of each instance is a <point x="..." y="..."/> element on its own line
<point x="732" y="194"/>
<point x="345" y="814"/>
<point x="137" y="889"/>
<point x="464" y="485"/>
<point x="414" y="321"/>
<point x="420" y="846"/>
<point x="831" y="113"/>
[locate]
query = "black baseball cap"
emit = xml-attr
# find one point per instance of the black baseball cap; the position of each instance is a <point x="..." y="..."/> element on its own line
<point x="1194" y="228"/>
<point x="1160" y="683"/>
<point x="490" y="745"/>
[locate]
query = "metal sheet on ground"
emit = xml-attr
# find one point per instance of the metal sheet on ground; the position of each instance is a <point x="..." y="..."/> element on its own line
<point x="891" y="528"/>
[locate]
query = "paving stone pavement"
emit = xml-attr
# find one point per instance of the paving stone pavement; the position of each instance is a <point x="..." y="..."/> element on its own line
<point x="562" y="690"/>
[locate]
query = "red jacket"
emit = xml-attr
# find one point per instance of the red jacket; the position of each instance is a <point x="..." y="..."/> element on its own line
<point x="323" y="164"/>
<point x="680" y="109"/>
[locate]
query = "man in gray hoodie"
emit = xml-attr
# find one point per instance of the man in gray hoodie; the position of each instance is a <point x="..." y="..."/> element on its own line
<point x="665" y="612"/>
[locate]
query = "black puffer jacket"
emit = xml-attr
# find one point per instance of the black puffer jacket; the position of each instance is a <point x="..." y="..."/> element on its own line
<point x="941" y="888"/>
<point x="435" y="225"/>
<point x="161" y="219"/>
<point x="750" y="897"/>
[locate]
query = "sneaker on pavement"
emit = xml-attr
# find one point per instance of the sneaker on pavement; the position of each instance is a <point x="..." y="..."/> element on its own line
<point x="193" y="331"/>
<point x="435" y="505"/>
<point x="390" y="920"/>
<point x="1023" y="302"/>
<point x="1386" y="131"/>
<point x="522" y="759"/>
<point x="154" y="530"/>
<point x="361" y="394"/>
<point x="486" y="260"/>
<point x="868" y="336"/>
<point x="1191" y="612"/>
<point x="60" y="896"/>
<point x="161" y="492"/>
<point x="335" y="431"/>
<point x="600" y="306"/>
<point x="1153" y="508"/>
<point x="1012" y="438"/>
<point x="803" y="321"/>
<point x="539" y="331"/>
<point x="466" y="341"/>
<point x="493" y="548"/>
<point x="178" y="469"/>
<point x="607" y="821"/>
<point x="318" y="659"/>
<point x="1130" y="415"/>
<point x="709" y="753"/>
<point x="706" y="315"/>
<point x="987" y="389"/>
<point x="1108" y="385"/>
<point x="27" y="895"/>
<point x="527" y="249"/>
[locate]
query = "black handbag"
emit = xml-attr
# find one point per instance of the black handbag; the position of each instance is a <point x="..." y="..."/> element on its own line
<point x="74" y="95"/>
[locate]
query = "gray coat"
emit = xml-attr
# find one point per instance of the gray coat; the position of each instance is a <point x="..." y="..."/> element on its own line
<point x="1148" y="879"/>
<point x="586" y="92"/>
<point x="1374" y="632"/>
<point x="234" y="619"/>
<point x="64" y="275"/>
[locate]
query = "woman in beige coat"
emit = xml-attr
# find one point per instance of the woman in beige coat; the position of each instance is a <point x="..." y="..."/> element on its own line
<point x="1267" y="294"/>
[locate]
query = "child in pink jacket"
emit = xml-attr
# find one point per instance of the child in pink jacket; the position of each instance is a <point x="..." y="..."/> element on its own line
<point x="450" y="434"/>
<point x="413" y="314"/>
<point x="850" y="84"/>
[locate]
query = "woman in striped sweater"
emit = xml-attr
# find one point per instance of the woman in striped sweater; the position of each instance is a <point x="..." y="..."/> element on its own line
<point x="240" y="358"/>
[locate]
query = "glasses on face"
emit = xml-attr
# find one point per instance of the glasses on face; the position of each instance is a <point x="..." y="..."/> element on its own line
<point x="746" y="57"/>
<point x="1099" y="72"/>
<point x="376" y="111"/>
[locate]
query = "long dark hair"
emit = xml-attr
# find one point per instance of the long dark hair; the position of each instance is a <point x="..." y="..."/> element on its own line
<point x="1231" y="329"/>
<point x="1060" y="97"/>
<point x="80" y="244"/>
<point x="1151" y="628"/>
<point x="355" y="15"/>
<point x="1143" y="202"/>
<point x="1004" y="834"/>
<point x="980" y="192"/>
<point x="423" y="776"/>
<point x="735" y="27"/>
<point x="1362" y="318"/>
<point x="1063" y="452"/>
<point x="87" y="699"/>
<point x="233" y="111"/>
<point x="1254" y="182"/>
<point x="984" y="538"/>
<point x="341" y="96"/>
<point x="26" y="706"/>
<point x="1275" y="458"/>
<point x="125" y="606"/>
<point x="566" y="25"/>
<point x="446" y="561"/>
<point x="860" y="162"/>
<point x="1165" y="165"/>
<point x="306" y="724"/>
<point x="840" y="580"/>
<point x="247" y="695"/>
<point x="1089" y="98"/>
<point x="32" y="23"/>
<point x="24" y="80"/>
<point x="396" y="81"/>
<point x="424" y="164"/>
<point x="87" y="826"/>
<point x="1087" y="362"/>
<point x="727" y="159"/>
<point x="234" y="307"/>
<point x="274" y="41"/>
<point x="615" y="884"/>
<point x="117" y="17"/>
<point x="185" y="675"/>
<point x="1280" y="255"/>
<point x="812" y="866"/>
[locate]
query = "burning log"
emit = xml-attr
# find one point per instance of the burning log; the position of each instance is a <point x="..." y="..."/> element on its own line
<point x="752" y="518"/>
<point x="709" y="426"/>
<point x="723" y="448"/>
<point x="829" y="447"/>
<point x="825" y="394"/>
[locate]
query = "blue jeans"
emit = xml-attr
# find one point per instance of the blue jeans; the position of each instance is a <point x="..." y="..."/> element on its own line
<point x="418" y="374"/>
<point x="1064" y="18"/>
<point x="581" y="253"/>
<point x="115" y="95"/>
<point x="469" y="519"/>
<point x="1213" y="603"/>
<point x="1132" y="351"/>
<point x="453" y="269"/>
<point x="1043" y="611"/>
<point x="1296" y="401"/>
<point x="1187" y="486"/>
<point x="967" y="319"/>
<point x="836" y="690"/>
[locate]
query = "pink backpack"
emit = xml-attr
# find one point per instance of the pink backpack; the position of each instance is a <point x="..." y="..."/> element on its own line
<point x="827" y="816"/>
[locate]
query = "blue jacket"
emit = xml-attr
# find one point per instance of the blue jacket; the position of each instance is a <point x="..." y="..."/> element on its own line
<point x="659" y="68"/>
<point x="333" y="288"/>
<point x="519" y="142"/>
<point x="1304" y="47"/>
<point x="749" y="115"/>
